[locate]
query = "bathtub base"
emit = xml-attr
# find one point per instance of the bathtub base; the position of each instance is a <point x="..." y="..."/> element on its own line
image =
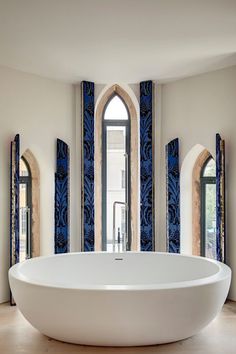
<point x="100" y="318"/>
<point x="162" y="298"/>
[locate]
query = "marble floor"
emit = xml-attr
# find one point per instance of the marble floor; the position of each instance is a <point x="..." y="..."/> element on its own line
<point x="17" y="336"/>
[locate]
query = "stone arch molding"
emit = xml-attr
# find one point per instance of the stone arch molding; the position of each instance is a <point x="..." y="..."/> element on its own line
<point x="135" y="211"/>
<point x="190" y="199"/>
<point x="186" y="173"/>
<point x="196" y="201"/>
<point x="35" y="176"/>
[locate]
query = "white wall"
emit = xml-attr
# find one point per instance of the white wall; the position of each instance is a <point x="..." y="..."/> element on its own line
<point x="40" y="110"/>
<point x="194" y="110"/>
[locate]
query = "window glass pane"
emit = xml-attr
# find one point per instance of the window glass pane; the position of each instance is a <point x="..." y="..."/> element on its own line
<point x="210" y="221"/>
<point x="115" y="151"/>
<point x="116" y="109"/>
<point x="123" y="221"/>
<point x="210" y="169"/>
<point x="23" y="168"/>
<point x="123" y="179"/>
<point x="23" y="221"/>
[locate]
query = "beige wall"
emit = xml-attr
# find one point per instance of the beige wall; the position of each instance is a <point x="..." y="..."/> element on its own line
<point x="40" y="110"/>
<point x="194" y="110"/>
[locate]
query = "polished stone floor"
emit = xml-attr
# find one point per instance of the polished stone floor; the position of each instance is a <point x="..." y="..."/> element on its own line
<point x="17" y="336"/>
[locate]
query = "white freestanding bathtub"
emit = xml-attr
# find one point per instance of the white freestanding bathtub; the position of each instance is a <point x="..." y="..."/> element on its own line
<point x="119" y="299"/>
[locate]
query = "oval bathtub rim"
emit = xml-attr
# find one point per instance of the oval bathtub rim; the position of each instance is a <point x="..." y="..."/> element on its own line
<point x="224" y="272"/>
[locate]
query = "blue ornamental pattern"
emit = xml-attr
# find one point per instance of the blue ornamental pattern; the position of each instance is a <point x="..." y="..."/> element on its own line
<point x="173" y="196"/>
<point x="146" y="168"/>
<point x="14" y="203"/>
<point x="220" y="198"/>
<point x="62" y="198"/>
<point x="88" y="165"/>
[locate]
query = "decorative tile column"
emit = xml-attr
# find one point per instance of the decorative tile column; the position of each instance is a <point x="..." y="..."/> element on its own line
<point x="220" y="199"/>
<point x="146" y="167"/>
<point x="62" y="191"/>
<point x="14" y="203"/>
<point x="87" y="217"/>
<point x="173" y="196"/>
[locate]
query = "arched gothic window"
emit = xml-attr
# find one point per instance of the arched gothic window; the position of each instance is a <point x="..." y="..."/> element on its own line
<point x="25" y="210"/>
<point x="115" y="176"/>
<point x="29" y="206"/>
<point x="116" y="117"/>
<point x="208" y="208"/>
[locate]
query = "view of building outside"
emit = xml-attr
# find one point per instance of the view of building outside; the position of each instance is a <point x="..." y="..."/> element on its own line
<point x="211" y="221"/>
<point x="23" y="212"/>
<point x="210" y="210"/>
<point x="116" y="176"/>
<point x="116" y="173"/>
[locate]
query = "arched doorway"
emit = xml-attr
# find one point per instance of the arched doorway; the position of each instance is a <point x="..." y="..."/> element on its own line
<point x="25" y="217"/>
<point x="105" y="129"/>
<point x="29" y="206"/>
<point x="203" y="206"/>
<point x="116" y="201"/>
<point x="208" y="209"/>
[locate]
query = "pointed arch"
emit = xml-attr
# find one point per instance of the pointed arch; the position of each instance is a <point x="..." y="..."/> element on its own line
<point x="35" y="176"/>
<point x="102" y="102"/>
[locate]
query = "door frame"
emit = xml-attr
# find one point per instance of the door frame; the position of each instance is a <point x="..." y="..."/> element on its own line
<point x="133" y="108"/>
<point x="204" y="180"/>
<point x="118" y="123"/>
<point x="27" y="180"/>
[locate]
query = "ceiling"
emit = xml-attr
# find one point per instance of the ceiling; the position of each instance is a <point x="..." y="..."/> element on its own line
<point x="117" y="41"/>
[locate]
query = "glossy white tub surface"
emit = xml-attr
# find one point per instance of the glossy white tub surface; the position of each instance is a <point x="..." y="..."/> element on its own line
<point x="119" y="299"/>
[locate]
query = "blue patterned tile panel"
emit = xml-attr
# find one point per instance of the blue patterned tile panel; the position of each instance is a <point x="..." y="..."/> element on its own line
<point x="14" y="203"/>
<point x="146" y="167"/>
<point x="88" y="166"/>
<point x="173" y="196"/>
<point x="63" y="158"/>
<point x="220" y="199"/>
<point x="61" y="240"/>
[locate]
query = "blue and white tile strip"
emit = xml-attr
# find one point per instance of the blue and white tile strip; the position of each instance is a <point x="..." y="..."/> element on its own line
<point x="173" y="196"/>
<point x="88" y="166"/>
<point x="62" y="198"/>
<point x="146" y="167"/>
<point x="14" y="203"/>
<point x="220" y="199"/>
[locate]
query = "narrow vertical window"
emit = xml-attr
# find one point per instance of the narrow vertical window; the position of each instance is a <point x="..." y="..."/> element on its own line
<point x="208" y="209"/>
<point x="25" y="210"/>
<point x="115" y="178"/>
